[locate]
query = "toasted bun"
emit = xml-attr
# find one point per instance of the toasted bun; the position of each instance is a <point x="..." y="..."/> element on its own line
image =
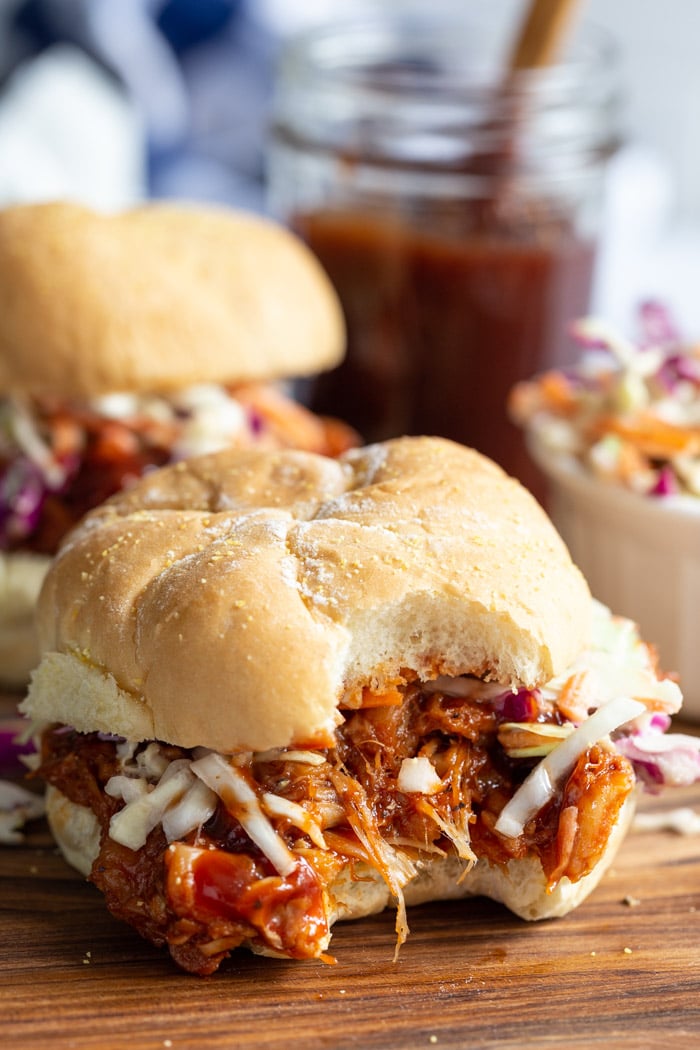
<point x="157" y="298"/>
<point x="520" y="885"/>
<point x="21" y="576"/>
<point x="234" y="600"/>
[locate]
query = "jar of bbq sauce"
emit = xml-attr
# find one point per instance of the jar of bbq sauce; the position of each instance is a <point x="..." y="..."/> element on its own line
<point x="456" y="207"/>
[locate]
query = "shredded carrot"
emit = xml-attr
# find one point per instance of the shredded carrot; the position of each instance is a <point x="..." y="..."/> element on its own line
<point x="654" y="437"/>
<point x="552" y="391"/>
<point x="390" y="696"/>
<point x="631" y="462"/>
<point x="557" y="392"/>
<point x="292" y="424"/>
<point x="572" y="701"/>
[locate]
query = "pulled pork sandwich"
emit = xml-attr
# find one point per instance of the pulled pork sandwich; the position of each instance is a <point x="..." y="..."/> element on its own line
<point x="280" y="689"/>
<point x="129" y="341"/>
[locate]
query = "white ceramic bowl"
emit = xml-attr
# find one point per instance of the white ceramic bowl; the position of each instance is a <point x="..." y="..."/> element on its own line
<point x="641" y="558"/>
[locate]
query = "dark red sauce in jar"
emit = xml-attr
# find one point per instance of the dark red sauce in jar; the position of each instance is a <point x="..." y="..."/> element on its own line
<point x="440" y="329"/>
<point x="457" y="212"/>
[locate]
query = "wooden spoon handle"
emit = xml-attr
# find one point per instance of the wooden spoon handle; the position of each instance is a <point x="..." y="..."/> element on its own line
<point x="542" y="33"/>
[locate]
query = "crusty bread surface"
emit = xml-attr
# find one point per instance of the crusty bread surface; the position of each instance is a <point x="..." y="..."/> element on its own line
<point x="520" y="885"/>
<point x="156" y="298"/>
<point x="236" y="600"/>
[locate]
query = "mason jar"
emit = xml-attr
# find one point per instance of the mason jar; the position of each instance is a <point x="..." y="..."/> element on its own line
<point x="457" y="208"/>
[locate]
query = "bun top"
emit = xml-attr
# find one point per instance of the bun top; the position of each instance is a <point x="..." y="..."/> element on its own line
<point x="157" y="298"/>
<point x="235" y="600"/>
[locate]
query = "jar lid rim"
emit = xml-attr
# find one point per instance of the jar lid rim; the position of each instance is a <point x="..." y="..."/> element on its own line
<point x="351" y="50"/>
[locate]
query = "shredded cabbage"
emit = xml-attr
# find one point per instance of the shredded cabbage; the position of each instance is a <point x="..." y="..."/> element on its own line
<point x="276" y="806"/>
<point x="418" y="775"/>
<point x="232" y="787"/>
<point x="542" y="783"/>
<point x="17" y="807"/>
<point x="619" y="663"/>
<point x="629" y="412"/>
<point x="193" y="810"/>
<point x="683" y="820"/>
<point x="282" y="754"/>
<point x="16" y="749"/>
<point x="131" y="825"/>
<point x="662" y="759"/>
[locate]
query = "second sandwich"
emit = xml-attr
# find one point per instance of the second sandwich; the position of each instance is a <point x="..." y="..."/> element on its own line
<point x="132" y="340"/>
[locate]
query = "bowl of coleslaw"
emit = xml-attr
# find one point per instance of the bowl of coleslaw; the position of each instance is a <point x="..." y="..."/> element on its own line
<point x="617" y="437"/>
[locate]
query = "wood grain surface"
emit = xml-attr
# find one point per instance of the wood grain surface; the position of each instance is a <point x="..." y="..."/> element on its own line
<point x="622" y="971"/>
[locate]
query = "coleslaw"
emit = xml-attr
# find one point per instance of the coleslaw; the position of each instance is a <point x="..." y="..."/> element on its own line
<point x="628" y="412"/>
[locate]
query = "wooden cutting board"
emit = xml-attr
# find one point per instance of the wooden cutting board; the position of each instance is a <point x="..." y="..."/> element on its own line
<point x="622" y="971"/>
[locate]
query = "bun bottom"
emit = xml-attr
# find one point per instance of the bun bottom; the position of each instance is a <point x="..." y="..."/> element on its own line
<point x="520" y="885"/>
<point x="21" y="577"/>
<point x="75" y="829"/>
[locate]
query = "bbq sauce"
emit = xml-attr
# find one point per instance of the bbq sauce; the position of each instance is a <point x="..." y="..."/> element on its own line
<point x="440" y="328"/>
<point x="456" y="211"/>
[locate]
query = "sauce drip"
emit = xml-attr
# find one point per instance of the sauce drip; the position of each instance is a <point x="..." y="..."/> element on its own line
<point x="211" y="885"/>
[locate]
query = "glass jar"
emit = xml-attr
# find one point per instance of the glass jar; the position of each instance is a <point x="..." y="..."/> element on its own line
<point x="457" y="210"/>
